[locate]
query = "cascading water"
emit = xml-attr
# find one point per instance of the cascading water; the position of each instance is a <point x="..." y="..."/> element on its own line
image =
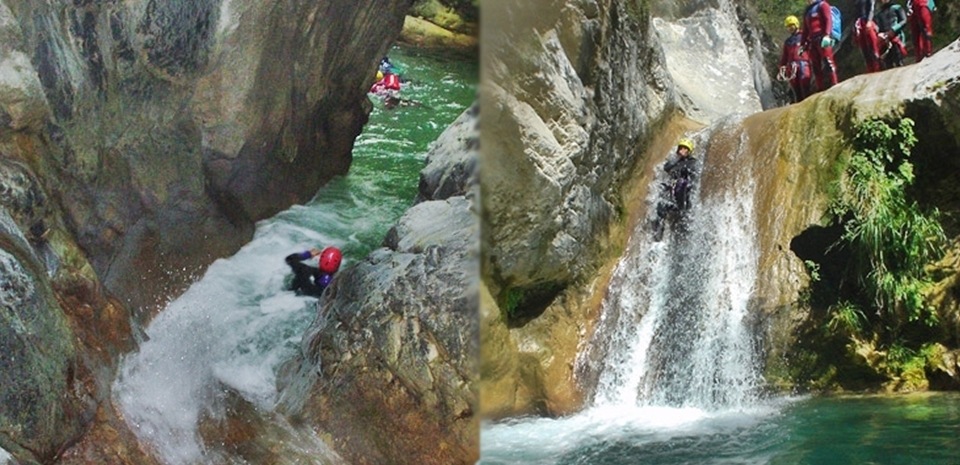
<point x="674" y="352"/>
<point x="677" y="367"/>
<point x="675" y="320"/>
<point x="235" y="326"/>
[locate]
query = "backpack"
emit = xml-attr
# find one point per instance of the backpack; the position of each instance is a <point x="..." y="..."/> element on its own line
<point x="837" y="30"/>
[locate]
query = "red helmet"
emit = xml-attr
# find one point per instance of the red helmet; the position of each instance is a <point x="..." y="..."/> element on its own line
<point x="330" y="260"/>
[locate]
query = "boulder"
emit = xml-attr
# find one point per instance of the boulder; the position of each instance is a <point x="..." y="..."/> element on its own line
<point x="388" y="367"/>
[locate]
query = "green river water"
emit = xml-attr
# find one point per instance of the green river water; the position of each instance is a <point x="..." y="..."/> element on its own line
<point x="918" y="429"/>
<point x="236" y="325"/>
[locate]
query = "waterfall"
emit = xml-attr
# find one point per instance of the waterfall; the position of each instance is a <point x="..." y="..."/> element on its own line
<point x="674" y="324"/>
<point x="228" y="334"/>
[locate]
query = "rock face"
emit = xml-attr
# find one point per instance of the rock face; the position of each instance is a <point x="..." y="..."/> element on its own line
<point x="797" y="151"/>
<point x="573" y="110"/>
<point x="580" y="113"/>
<point x="164" y="130"/>
<point x="140" y="140"/>
<point x="36" y="353"/>
<point x="388" y="367"/>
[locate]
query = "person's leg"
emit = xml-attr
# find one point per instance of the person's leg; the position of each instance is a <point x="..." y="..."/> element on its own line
<point x="899" y="50"/>
<point x="816" y="64"/>
<point x="805" y="87"/>
<point x="925" y="33"/>
<point x="873" y="47"/>
<point x="866" y="38"/>
<point x="830" y="66"/>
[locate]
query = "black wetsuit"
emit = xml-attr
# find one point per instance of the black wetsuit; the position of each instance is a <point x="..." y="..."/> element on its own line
<point x="306" y="279"/>
<point x="676" y="196"/>
<point x="682" y="171"/>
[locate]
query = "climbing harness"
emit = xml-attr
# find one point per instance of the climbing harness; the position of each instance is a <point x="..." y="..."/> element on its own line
<point x="782" y="74"/>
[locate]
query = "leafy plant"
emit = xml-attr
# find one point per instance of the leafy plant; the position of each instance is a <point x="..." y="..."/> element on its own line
<point x="891" y="238"/>
<point x="846" y="318"/>
<point x="813" y="269"/>
<point x="512" y="299"/>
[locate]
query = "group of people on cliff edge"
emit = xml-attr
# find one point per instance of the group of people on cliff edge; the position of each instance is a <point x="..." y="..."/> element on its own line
<point x="807" y="57"/>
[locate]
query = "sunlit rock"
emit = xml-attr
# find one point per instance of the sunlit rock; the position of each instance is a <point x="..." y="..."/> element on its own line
<point x="572" y="111"/>
<point x="139" y="141"/>
<point x="388" y="367"/>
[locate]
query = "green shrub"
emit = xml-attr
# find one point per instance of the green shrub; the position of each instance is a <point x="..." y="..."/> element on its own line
<point x="890" y="237"/>
<point x="846" y="318"/>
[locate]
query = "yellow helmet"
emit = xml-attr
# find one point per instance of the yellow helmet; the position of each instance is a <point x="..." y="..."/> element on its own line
<point x="685" y="143"/>
<point x="791" y="21"/>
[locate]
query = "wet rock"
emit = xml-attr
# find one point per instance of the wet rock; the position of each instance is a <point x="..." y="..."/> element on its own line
<point x="140" y="141"/>
<point x="388" y="367"/>
<point x="36" y="356"/>
<point x="452" y="160"/>
<point x="572" y="113"/>
<point x="240" y="430"/>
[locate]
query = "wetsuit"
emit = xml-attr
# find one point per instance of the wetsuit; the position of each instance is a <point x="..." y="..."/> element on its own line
<point x="865" y="35"/>
<point x="390" y="84"/>
<point x="817" y="24"/>
<point x="676" y="197"/>
<point x="682" y="171"/>
<point x="890" y="21"/>
<point x="306" y="279"/>
<point x="921" y="27"/>
<point x="796" y="67"/>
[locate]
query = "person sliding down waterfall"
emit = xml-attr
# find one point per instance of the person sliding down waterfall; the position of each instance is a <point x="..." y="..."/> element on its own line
<point x="675" y="199"/>
<point x="311" y="281"/>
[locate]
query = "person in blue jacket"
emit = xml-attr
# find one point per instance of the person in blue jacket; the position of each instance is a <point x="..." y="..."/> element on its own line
<point x="311" y="281"/>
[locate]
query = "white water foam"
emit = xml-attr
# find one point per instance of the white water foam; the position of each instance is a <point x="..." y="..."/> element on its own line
<point x="675" y="318"/>
<point x="230" y="330"/>
<point x="676" y="355"/>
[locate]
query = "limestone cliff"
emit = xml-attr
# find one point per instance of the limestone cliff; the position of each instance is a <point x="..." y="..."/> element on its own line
<point x="574" y="112"/>
<point x="140" y="140"/>
<point x="798" y="149"/>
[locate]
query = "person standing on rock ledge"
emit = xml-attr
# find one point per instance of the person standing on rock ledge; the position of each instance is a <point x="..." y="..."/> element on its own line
<point x="794" y="65"/>
<point x="311" y="281"/>
<point x="865" y="35"/>
<point x="890" y="22"/>
<point x="817" y="24"/>
<point x="921" y="26"/>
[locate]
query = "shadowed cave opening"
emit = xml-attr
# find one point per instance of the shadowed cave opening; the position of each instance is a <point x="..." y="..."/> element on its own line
<point x="524" y="304"/>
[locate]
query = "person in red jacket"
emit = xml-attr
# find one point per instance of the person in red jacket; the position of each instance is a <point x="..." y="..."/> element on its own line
<point x="794" y="65"/>
<point x="388" y="84"/>
<point x="921" y="27"/>
<point x="817" y="23"/>
<point x="865" y="35"/>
